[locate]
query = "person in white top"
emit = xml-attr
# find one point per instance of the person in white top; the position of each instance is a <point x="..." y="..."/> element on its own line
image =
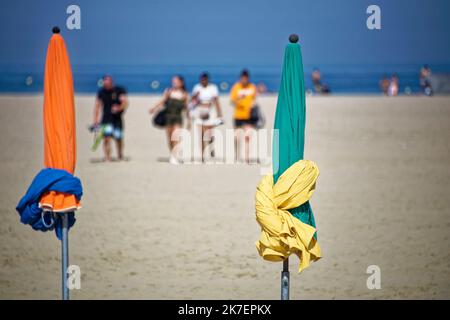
<point x="205" y="110"/>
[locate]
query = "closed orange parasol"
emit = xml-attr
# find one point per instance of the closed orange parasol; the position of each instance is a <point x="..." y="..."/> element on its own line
<point x="55" y="193"/>
<point x="59" y="122"/>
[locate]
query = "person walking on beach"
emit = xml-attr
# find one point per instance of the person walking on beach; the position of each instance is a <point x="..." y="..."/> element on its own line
<point x="205" y="95"/>
<point x="174" y="101"/>
<point x="424" y="79"/>
<point x="384" y="85"/>
<point x="243" y="95"/>
<point x="393" y="86"/>
<point x="319" y="87"/>
<point x="111" y="102"/>
<point x="316" y="77"/>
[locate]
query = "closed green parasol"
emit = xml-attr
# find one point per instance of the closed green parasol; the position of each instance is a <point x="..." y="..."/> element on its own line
<point x="290" y="119"/>
<point x="282" y="200"/>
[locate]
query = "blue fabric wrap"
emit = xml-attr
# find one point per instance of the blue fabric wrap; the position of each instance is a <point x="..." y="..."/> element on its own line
<point x="47" y="180"/>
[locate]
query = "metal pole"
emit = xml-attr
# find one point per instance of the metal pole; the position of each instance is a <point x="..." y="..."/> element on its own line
<point x="285" y="280"/>
<point x="65" y="254"/>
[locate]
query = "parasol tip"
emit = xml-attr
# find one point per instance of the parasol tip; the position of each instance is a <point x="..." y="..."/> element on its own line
<point x="56" y="30"/>
<point x="293" y="38"/>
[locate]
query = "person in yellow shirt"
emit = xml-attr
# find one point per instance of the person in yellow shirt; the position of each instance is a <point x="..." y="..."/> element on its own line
<point x="243" y="95"/>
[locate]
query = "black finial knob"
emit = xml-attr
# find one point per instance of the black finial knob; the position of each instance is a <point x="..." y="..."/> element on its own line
<point x="293" y="38"/>
<point x="56" y="30"/>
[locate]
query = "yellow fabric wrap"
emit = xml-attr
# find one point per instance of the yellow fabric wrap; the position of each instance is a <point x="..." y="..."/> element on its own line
<point x="282" y="234"/>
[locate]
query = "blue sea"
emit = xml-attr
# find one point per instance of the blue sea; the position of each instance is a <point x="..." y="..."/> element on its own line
<point x="341" y="79"/>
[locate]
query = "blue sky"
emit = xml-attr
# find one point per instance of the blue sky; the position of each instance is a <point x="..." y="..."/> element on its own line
<point x="211" y="32"/>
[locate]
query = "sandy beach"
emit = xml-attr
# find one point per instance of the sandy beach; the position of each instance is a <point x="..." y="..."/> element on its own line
<point x="151" y="230"/>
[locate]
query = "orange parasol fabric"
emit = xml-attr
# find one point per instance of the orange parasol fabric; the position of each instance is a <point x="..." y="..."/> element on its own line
<point x="59" y="122"/>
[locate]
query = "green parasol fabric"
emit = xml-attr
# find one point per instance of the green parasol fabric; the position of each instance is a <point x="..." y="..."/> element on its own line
<point x="290" y="118"/>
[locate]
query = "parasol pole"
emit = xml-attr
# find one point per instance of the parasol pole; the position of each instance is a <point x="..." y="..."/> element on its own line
<point x="65" y="254"/>
<point x="285" y="280"/>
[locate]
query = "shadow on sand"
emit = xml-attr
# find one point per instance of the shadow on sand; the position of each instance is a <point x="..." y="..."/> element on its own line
<point x="102" y="160"/>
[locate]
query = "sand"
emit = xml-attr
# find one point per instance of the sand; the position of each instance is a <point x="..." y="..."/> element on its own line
<point x="150" y="230"/>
